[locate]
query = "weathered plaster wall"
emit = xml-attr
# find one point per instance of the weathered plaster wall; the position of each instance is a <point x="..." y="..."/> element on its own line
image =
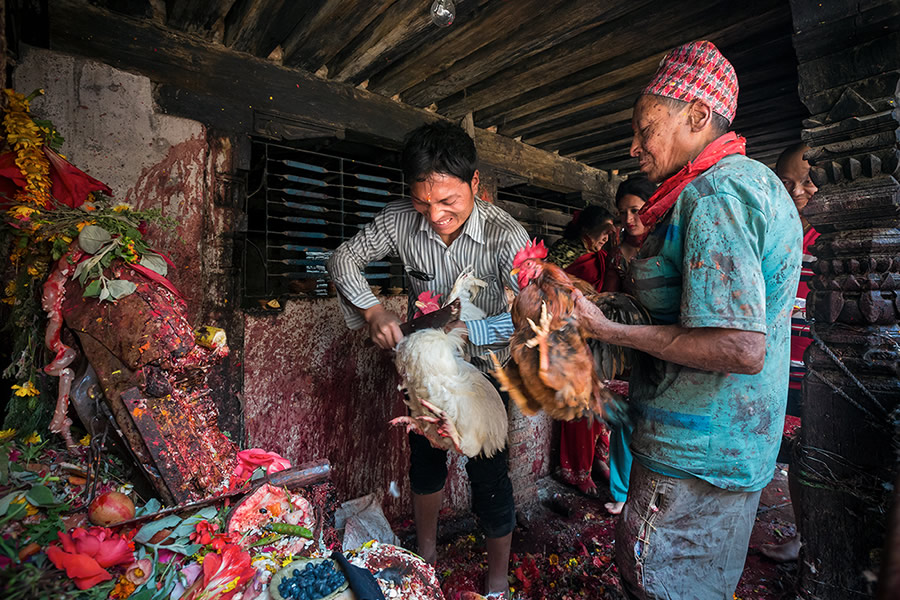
<point x="311" y="388"/>
<point x="149" y="160"/>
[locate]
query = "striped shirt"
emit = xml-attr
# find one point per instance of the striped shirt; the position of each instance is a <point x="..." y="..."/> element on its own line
<point x="489" y="241"/>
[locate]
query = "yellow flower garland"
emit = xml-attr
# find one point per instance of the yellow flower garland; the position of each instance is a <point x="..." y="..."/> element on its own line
<point x="25" y="138"/>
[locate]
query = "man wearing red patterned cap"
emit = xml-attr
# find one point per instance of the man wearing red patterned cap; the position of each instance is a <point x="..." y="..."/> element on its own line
<point x="717" y="271"/>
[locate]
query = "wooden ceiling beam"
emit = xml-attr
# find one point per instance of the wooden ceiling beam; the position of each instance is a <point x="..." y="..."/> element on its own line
<point x="259" y="26"/>
<point x="626" y="76"/>
<point x="578" y="128"/>
<point x="398" y="32"/>
<point x="563" y="114"/>
<point x="233" y="92"/>
<point x="484" y="25"/>
<point x="614" y="133"/>
<point x="613" y="151"/>
<point x="317" y="39"/>
<point x="599" y="51"/>
<point x="624" y="166"/>
<point x="197" y="17"/>
<point x="569" y="20"/>
<point x="608" y="93"/>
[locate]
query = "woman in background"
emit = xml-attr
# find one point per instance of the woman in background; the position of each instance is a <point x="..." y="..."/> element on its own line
<point x="632" y="194"/>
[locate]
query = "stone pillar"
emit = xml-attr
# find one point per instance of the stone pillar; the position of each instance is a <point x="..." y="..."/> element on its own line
<point x="849" y="68"/>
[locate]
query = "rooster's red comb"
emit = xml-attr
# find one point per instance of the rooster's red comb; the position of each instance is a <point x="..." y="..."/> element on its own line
<point x="534" y="249"/>
<point x="428" y="297"/>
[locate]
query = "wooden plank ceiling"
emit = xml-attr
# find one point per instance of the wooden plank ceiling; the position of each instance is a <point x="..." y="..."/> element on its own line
<point x="560" y="75"/>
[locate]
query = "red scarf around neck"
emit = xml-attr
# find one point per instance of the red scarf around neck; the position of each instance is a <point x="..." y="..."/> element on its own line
<point x="667" y="194"/>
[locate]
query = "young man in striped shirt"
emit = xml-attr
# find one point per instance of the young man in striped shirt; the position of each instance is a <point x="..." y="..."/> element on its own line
<point x="439" y="231"/>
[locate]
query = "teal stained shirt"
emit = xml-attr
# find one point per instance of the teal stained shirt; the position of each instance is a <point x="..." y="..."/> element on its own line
<point x="728" y="256"/>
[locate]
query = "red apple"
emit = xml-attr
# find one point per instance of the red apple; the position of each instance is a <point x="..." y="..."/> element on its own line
<point x="110" y="508"/>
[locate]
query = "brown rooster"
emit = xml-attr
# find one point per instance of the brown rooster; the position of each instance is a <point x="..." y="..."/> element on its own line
<point x="555" y="367"/>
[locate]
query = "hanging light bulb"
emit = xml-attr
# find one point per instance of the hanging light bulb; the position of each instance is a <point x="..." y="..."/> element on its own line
<point x="443" y="12"/>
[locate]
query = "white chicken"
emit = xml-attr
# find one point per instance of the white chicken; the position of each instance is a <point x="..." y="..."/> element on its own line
<point x="450" y="401"/>
<point x="466" y="287"/>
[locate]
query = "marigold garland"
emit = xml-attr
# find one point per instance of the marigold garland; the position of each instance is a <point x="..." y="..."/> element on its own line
<point x="26" y="139"/>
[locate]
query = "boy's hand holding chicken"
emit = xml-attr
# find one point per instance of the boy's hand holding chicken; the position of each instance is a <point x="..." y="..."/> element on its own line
<point x="384" y="326"/>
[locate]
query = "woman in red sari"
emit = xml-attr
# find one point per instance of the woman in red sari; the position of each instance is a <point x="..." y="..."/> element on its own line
<point x="584" y="443"/>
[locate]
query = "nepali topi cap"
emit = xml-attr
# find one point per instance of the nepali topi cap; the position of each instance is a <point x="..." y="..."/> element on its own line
<point x="697" y="71"/>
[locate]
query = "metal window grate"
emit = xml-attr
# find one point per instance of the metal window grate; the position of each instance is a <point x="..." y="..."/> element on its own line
<point x="300" y="206"/>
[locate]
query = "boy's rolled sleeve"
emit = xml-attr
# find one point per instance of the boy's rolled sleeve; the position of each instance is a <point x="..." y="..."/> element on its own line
<point x="375" y="241"/>
<point x="491" y="330"/>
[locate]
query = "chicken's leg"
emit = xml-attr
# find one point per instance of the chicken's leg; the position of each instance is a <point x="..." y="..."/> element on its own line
<point x="442" y="422"/>
<point x="541" y="333"/>
<point x="527" y="406"/>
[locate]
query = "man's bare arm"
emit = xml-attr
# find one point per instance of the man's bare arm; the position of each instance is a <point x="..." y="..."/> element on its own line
<point x="708" y="349"/>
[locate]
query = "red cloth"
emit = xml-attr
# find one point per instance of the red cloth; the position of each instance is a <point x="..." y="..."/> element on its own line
<point x="667" y="194"/>
<point x="582" y="439"/>
<point x="799" y="343"/>
<point x="69" y="185"/>
<point x="590" y="267"/>
<point x="698" y="71"/>
<point x="579" y="441"/>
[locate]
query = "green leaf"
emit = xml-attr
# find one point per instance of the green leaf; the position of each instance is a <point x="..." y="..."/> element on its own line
<point x="104" y="294"/>
<point x="145" y="593"/>
<point x="5" y="501"/>
<point x="4" y="467"/>
<point x="92" y="290"/>
<point x="180" y="548"/>
<point x="79" y="269"/>
<point x="92" y="238"/>
<point x="187" y="527"/>
<point x="16" y="511"/>
<point x="152" y="506"/>
<point x="119" y="288"/>
<point x="155" y="262"/>
<point x="150" y="529"/>
<point x="40" y="495"/>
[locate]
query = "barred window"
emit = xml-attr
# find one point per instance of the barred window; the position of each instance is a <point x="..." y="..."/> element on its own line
<point x="301" y="204"/>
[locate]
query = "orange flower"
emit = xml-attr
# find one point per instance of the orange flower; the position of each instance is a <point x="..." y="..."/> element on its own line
<point x="123" y="589"/>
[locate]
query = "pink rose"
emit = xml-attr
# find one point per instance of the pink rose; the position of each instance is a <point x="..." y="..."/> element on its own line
<point x="249" y="460"/>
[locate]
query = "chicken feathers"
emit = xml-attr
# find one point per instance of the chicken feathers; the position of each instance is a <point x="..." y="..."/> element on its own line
<point x="450" y="401"/>
<point x="555" y="366"/>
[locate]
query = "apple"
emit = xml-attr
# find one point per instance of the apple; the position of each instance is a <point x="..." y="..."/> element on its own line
<point x="110" y="508"/>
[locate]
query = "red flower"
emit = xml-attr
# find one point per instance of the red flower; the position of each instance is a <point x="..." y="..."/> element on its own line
<point x="86" y="554"/>
<point x="204" y="532"/>
<point x="71" y="186"/>
<point x="249" y="460"/>
<point x="223" y="540"/>
<point x="224" y="575"/>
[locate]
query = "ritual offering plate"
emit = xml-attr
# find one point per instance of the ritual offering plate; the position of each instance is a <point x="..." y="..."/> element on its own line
<point x="310" y="579"/>
<point x="400" y="574"/>
<point x="272" y="517"/>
